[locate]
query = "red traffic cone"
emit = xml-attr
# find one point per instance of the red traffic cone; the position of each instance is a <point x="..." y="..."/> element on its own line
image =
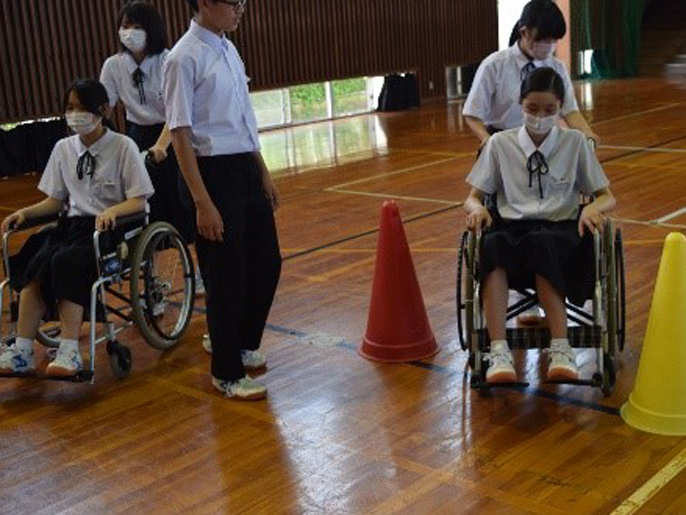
<point x="397" y="329"/>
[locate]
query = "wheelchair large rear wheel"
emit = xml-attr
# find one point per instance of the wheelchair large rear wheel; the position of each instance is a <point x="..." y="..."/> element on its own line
<point x="621" y="290"/>
<point x="48" y="335"/>
<point x="162" y="285"/>
<point x="464" y="293"/>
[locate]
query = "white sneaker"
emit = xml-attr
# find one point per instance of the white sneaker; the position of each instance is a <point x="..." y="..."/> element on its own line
<point x="562" y="364"/>
<point x="199" y="284"/>
<point x="501" y="365"/>
<point x="207" y="343"/>
<point x="67" y="363"/>
<point x="245" y="389"/>
<point x="252" y="359"/>
<point x="14" y="361"/>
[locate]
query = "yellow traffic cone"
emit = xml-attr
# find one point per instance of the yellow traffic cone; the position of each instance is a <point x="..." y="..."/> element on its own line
<point x="658" y="402"/>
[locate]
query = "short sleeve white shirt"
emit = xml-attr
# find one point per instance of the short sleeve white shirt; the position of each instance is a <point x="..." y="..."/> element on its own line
<point x="494" y="96"/>
<point x="119" y="175"/>
<point x="573" y="168"/>
<point x="206" y="89"/>
<point x="117" y="77"/>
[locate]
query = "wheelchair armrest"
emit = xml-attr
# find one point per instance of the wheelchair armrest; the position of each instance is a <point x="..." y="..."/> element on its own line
<point x="29" y="223"/>
<point x="131" y="222"/>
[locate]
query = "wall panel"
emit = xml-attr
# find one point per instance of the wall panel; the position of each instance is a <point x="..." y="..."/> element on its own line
<point x="45" y="44"/>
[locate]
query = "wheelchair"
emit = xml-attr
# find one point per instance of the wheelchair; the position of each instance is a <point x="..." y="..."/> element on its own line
<point x="147" y="280"/>
<point x="602" y="327"/>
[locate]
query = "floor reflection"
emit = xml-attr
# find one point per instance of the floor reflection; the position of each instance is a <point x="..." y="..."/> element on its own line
<point x="322" y="145"/>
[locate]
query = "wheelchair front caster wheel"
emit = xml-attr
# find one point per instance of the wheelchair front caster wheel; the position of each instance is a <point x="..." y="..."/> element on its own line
<point x="475" y="381"/>
<point x="120" y="359"/>
<point x="609" y="376"/>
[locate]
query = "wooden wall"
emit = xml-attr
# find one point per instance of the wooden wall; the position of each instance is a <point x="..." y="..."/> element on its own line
<point x="45" y="44"/>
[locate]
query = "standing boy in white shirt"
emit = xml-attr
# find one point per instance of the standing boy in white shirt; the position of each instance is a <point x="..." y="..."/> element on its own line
<point x="214" y="133"/>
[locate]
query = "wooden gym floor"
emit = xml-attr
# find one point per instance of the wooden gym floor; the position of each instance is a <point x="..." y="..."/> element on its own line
<point x="342" y="435"/>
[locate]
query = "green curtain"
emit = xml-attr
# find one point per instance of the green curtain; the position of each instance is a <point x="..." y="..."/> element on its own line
<point x="612" y="29"/>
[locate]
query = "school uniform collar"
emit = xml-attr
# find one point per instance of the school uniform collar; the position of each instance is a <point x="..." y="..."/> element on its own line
<point x="220" y="44"/>
<point x="132" y="65"/>
<point x="97" y="147"/>
<point x="528" y="146"/>
<point x="522" y="59"/>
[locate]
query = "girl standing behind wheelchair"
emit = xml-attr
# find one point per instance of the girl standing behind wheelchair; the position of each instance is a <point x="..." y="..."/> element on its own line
<point x="134" y="76"/>
<point x="95" y="176"/>
<point x="536" y="173"/>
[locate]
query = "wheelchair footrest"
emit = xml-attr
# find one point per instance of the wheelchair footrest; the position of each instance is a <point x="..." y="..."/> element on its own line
<point x="514" y="384"/>
<point x="578" y="382"/>
<point x="84" y="376"/>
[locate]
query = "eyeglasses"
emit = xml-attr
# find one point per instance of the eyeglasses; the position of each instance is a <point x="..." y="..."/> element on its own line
<point x="237" y="5"/>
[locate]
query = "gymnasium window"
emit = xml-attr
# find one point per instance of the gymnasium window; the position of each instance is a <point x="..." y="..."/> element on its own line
<point x="315" y="102"/>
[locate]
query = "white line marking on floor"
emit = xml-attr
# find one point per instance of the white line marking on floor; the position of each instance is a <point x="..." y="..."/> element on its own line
<point x="672" y="215"/>
<point x="389" y="174"/>
<point x="646" y="492"/>
<point x="639" y="113"/>
<point x="653" y="223"/>
<point x="391" y="196"/>
<point x="644" y="149"/>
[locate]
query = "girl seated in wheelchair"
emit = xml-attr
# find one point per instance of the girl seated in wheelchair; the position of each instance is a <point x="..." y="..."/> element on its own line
<point x="94" y="177"/>
<point x="536" y="173"/>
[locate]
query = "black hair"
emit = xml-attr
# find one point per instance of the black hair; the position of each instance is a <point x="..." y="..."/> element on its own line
<point x="92" y="95"/>
<point x="544" y="80"/>
<point x="194" y="4"/>
<point x="543" y="15"/>
<point x="148" y="17"/>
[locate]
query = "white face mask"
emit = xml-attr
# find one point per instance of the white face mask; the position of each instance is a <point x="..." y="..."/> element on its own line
<point x="539" y="126"/>
<point x="133" y="39"/>
<point x="542" y="51"/>
<point x="82" y="122"/>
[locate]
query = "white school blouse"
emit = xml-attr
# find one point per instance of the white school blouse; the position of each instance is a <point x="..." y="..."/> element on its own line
<point x="494" y="96"/>
<point x="573" y="168"/>
<point x="206" y="89"/>
<point x="119" y="175"/>
<point x="117" y="77"/>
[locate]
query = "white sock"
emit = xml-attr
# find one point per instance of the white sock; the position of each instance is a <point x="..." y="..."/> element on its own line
<point x="69" y="344"/>
<point x="559" y="342"/>
<point x="24" y="345"/>
<point x="499" y="344"/>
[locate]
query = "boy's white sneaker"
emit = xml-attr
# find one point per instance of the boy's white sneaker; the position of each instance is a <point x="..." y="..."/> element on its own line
<point x="15" y="361"/>
<point x="199" y="284"/>
<point x="245" y="389"/>
<point x="252" y="359"/>
<point x="67" y="363"/>
<point x="207" y="343"/>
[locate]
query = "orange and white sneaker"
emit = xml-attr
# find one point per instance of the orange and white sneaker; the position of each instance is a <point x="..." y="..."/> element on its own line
<point x="501" y="364"/>
<point x="67" y="363"/>
<point x="562" y="364"/>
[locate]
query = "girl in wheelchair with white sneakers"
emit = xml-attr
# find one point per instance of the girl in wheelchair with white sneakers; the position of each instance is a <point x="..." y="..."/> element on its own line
<point x="536" y="173"/>
<point x="92" y="178"/>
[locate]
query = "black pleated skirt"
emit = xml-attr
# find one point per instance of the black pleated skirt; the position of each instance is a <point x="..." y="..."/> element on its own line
<point x="62" y="260"/>
<point x="553" y="250"/>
